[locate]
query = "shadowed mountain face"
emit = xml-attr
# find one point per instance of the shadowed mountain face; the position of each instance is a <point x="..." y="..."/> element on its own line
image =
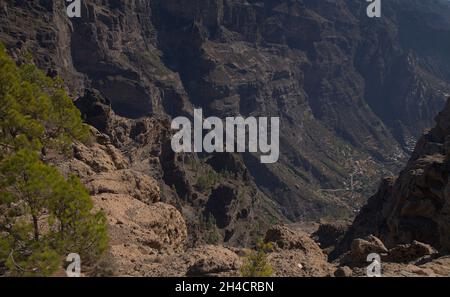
<point x="414" y="206"/>
<point x="352" y="93"/>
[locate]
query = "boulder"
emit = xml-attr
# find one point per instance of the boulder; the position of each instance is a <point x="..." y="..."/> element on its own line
<point x="361" y="248"/>
<point x="296" y="254"/>
<point x="329" y="234"/>
<point x="214" y="261"/>
<point x="410" y="252"/>
<point x="343" y="271"/>
<point x="284" y="238"/>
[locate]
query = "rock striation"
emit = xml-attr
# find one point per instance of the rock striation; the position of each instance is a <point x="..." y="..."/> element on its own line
<point x="321" y="66"/>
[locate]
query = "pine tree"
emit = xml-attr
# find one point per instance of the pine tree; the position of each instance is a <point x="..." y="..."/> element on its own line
<point x="35" y="111"/>
<point x="256" y="263"/>
<point x="209" y="229"/>
<point x="43" y="216"/>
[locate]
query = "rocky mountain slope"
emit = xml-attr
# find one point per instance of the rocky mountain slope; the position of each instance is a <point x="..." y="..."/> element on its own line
<point x="352" y="94"/>
<point x="414" y="206"/>
<point x="405" y="222"/>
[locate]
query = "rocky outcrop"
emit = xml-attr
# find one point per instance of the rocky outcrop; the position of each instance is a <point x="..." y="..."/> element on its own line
<point x="361" y="248"/>
<point x="125" y="182"/>
<point x="319" y="66"/>
<point x="215" y="261"/>
<point x="343" y="271"/>
<point x="204" y="260"/>
<point x="139" y="232"/>
<point x="433" y="268"/>
<point x="415" y="205"/>
<point x="140" y="227"/>
<point x="405" y="260"/>
<point x="329" y="234"/>
<point x="405" y="253"/>
<point x="285" y="238"/>
<point x="158" y="226"/>
<point x="296" y="254"/>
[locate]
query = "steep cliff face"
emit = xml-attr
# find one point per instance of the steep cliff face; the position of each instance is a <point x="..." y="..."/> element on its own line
<point x="415" y="206"/>
<point x="352" y="93"/>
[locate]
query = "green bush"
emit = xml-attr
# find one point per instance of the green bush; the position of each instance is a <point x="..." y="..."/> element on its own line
<point x="210" y="233"/>
<point x="207" y="180"/>
<point x="256" y="263"/>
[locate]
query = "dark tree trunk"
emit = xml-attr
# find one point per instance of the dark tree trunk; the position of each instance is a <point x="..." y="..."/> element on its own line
<point x="36" y="228"/>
